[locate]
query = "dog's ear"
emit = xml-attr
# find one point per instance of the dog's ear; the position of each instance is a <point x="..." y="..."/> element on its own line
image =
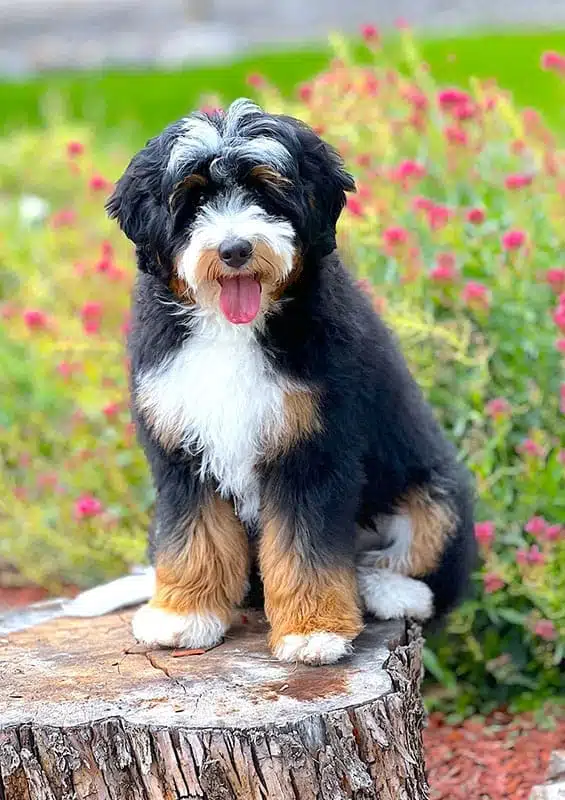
<point x="138" y="205"/>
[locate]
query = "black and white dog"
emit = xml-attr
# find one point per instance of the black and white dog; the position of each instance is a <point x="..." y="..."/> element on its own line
<point x="280" y="421"/>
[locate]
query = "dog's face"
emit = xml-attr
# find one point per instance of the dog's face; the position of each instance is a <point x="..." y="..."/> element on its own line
<point x="225" y="206"/>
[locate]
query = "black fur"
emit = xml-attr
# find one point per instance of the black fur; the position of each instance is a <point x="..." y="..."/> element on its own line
<point x="379" y="438"/>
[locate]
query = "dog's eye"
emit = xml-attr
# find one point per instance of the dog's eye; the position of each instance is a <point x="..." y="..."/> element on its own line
<point x="190" y="188"/>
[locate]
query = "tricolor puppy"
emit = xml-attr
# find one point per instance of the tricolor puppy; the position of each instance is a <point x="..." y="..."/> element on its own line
<point x="280" y="421"/>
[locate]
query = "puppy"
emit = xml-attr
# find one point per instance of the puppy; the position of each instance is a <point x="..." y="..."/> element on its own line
<point x="279" y="419"/>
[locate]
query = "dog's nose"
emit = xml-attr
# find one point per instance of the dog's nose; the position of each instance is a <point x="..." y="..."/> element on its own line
<point x="235" y="252"/>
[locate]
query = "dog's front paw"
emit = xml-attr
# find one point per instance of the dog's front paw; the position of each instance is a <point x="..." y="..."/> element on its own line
<point x="319" y="647"/>
<point x="388" y="595"/>
<point x="157" y="627"/>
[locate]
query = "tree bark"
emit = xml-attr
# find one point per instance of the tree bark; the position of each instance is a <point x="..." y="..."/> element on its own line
<point x="86" y="714"/>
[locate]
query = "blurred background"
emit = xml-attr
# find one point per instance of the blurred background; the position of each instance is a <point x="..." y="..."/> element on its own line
<point x="450" y="114"/>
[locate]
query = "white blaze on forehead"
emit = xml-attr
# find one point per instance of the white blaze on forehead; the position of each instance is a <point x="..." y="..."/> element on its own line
<point x="236" y="215"/>
<point x="201" y="139"/>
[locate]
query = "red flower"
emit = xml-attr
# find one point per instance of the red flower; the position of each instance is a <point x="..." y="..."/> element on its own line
<point x="560" y="345"/>
<point x="35" y="319"/>
<point x="409" y="169"/>
<point x="98" y="183"/>
<point x="535" y="556"/>
<point x="559" y="317"/>
<point x="370" y="33"/>
<point x="498" y="407"/>
<point x="556" y="279"/>
<point x="492" y="582"/>
<point x="438" y="216"/>
<point x="475" y="216"/>
<point x="465" y="110"/>
<point x="395" y="235"/>
<point x="536" y="526"/>
<point x="256" y="80"/>
<point x="518" y="180"/>
<point x="354" y="206"/>
<point x="74" y="148"/>
<point x="416" y="98"/>
<point x="87" y="506"/>
<point x="553" y="62"/>
<point x="91" y="326"/>
<point x="111" y="410"/>
<point x="456" y="135"/>
<point x="476" y="295"/>
<point x="513" y="239"/>
<point x="445" y="270"/>
<point x="92" y="309"/>
<point x="484" y="532"/>
<point x="305" y="92"/>
<point x="545" y="629"/>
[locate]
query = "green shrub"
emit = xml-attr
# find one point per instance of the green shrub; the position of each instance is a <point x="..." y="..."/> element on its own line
<point x="456" y="230"/>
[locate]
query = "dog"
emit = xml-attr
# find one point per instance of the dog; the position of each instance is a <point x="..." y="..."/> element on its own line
<point x="281" y="424"/>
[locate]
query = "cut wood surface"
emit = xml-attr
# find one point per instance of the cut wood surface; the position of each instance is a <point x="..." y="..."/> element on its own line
<point x="86" y="713"/>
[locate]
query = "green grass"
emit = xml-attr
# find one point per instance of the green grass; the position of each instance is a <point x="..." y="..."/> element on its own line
<point x="137" y="104"/>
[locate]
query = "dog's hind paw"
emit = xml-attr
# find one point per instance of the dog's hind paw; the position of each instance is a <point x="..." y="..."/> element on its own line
<point x="159" y="628"/>
<point x="388" y="595"/>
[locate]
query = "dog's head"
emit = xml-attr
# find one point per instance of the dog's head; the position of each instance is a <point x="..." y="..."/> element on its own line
<point x="225" y="206"/>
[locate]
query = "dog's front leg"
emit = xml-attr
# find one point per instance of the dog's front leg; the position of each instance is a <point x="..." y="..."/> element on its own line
<point x="201" y="569"/>
<point x="306" y="560"/>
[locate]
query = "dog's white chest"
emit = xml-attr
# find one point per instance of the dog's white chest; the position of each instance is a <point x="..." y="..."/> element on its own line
<point x="218" y="396"/>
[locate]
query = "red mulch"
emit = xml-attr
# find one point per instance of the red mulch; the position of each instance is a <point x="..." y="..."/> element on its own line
<point x="500" y="759"/>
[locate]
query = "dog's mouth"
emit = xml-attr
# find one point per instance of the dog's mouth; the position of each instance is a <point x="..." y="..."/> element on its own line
<point x="240" y="298"/>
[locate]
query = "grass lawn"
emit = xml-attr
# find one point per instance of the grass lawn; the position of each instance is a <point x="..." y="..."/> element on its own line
<point x="137" y="104"/>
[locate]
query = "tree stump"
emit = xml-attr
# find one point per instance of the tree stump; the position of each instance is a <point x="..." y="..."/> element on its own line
<point x="87" y="714"/>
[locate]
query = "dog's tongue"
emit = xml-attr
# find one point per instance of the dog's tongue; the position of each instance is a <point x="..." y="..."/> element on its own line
<point x="240" y="298"/>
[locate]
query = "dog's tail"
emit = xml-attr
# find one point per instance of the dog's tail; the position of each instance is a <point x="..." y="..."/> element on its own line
<point x="121" y="593"/>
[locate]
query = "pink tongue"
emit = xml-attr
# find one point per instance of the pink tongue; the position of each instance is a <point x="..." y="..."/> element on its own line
<point x="240" y="299"/>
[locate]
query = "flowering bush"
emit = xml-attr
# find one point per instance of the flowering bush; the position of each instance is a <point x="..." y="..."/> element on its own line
<point x="456" y="231"/>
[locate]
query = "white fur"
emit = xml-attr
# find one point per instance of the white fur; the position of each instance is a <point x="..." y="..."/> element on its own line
<point x="388" y="545"/>
<point x="155" y="627"/>
<point x="219" y="396"/>
<point x="200" y="139"/>
<point x="388" y="595"/>
<point x="320" y="647"/>
<point x="127" y="591"/>
<point x="236" y="215"/>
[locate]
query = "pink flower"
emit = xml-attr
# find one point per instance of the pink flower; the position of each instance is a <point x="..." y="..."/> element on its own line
<point x="445" y="270"/>
<point x="416" y="98"/>
<point x="370" y="33"/>
<point x="74" y="148"/>
<point x="531" y="448"/>
<point x="484" y="532"/>
<point x="553" y="62"/>
<point x="476" y="295"/>
<point x="475" y="216"/>
<point x="513" y="240"/>
<point x="98" y="183"/>
<point x="67" y="368"/>
<point x="7" y="311"/>
<point x="256" y="80"/>
<point x="65" y="218"/>
<point x="536" y="526"/>
<point x="518" y="180"/>
<point x="522" y="556"/>
<point x="559" y="317"/>
<point x="91" y="326"/>
<point x="553" y="533"/>
<point x="438" y="216"/>
<point x="395" y="235"/>
<point x="463" y="111"/>
<point x="535" y="556"/>
<point x="545" y="629"/>
<point x="456" y="135"/>
<point x="562" y="398"/>
<point x="561" y="457"/>
<point x="498" y="407"/>
<point x="560" y="346"/>
<point x="492" y="582"/>
<point x="305" y="92"/>
<point x="354" y="206"/>
<point x="35" y="319"/>
<point x="409" y="169"/>
<point x="556" y="279"/>
<point x="87" y="506"/>
<point x="111" y="410"/>
<point x="92" y="309"/>
<point x="448" y="98"/>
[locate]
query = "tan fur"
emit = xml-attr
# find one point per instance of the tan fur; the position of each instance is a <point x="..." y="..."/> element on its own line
<point x="210" y="572"/>
<point x="181" y="290"/>
<point x="301" y="421"/>
<point x="300" y="598"/>
<point x="265" y="174"/>
<point x="190" y="182"/>
<point x="432" y="523"/>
